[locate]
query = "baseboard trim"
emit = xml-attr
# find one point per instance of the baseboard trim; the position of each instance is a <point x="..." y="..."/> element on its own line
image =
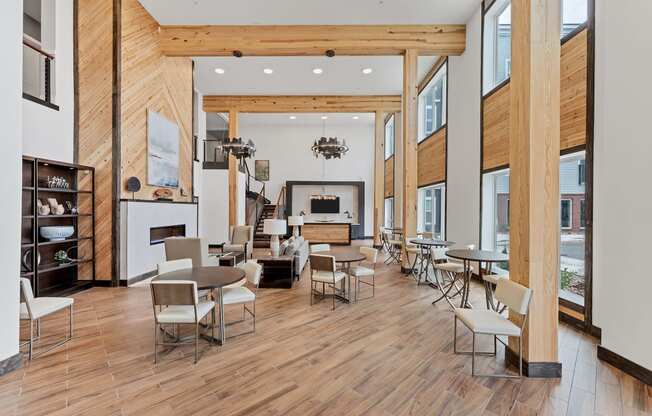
<point x="10" y="364"/>
<point x="136" y="279"/>
<point x="102" y="283"/>
<point x="626" y="366"/>
<point x="534" y="369"/>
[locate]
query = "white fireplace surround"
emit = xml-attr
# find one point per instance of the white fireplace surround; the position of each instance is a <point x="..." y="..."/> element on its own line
<point x="137" y="256"/>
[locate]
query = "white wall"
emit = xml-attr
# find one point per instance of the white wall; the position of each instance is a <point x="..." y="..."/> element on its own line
<point x="623" y="168"/>
<point x="48" y="133"/>
<point x="214" y="205"/>
<point x="463" y="180"/>
<point x="11" y="22"/>
<point x="287" y="147"/>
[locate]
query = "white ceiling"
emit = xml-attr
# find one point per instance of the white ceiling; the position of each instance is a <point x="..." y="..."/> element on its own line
<point x="293" y="75"/>
<point x="310" y="12"/>
<point x="310" y="119"/>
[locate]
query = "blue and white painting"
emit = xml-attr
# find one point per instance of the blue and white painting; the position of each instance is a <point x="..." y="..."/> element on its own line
<point x="162" y="151"/>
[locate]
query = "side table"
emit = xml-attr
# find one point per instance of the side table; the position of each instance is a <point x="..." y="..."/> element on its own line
<point x="278" y="272"/>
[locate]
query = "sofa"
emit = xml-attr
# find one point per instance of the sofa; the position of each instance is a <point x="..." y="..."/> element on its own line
<point x="300" y="249"/>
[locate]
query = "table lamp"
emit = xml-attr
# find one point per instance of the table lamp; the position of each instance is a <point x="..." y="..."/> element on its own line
<point x="295" y="221"/>
<point x="274" y="228"/>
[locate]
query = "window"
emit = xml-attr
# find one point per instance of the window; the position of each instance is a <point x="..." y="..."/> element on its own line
<point x="389" y="212"/>
<point x="581" y="172"/>
<point x="497" y="59"/>
<point x="432" y="104"/>
<point x="582" y="213"/>
<point x="431" y="210"/>
<point x="495" y="215"/>
<point x="573" y="14"/>
<point x="389" y="137"/>
<point x="566" y="213"/>
<point x="38" y="50"/>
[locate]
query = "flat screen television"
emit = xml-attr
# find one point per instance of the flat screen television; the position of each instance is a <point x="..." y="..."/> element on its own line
<point x="325" y="206"/>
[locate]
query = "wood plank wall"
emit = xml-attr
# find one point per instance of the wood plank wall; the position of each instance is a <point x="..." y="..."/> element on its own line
<point x="495" y="148"/>
<point x="389" y="177"/>
<point x="95" y="128"/>
<point x="431" y="159"/>
<point x="152" y="81"/>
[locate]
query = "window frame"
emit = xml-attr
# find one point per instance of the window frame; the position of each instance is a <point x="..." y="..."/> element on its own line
<point x="391" y="204"/>
<point x="496" y="28"/>
<point x="421" y="211"/>
<point x="570" y="213"/>
<point x="440" y="75"/>
<point x="389" y="120"/>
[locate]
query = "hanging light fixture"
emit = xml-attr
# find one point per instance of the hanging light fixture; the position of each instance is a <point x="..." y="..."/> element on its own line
<point x="329" y="148"/>
<point x="239" y="148"/>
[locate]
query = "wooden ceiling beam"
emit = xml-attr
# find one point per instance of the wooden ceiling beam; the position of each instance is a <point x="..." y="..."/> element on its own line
<point x="312" y="40"/>
<point x="302" y="103"/>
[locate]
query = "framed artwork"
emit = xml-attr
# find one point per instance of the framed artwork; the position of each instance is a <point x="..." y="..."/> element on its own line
<point x="262" y="170"/>
<point x="162" y="151"/>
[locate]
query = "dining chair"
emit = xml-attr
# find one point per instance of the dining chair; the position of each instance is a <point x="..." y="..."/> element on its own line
<point x="412" y="251"/>
<point x="176" y="302"/>
<point x="394" y="247"/>
<point x="447" y="274"/>
<point x="32" y="309"/>
<point x="243" y="295"/>
<point x="174" y="265"/>
<point x="324" y="271"/>
<point x="364" y="270"/>
<point x="482" y="321"/>
<point x="490" y="282"/>
<point x="316" y="248"/>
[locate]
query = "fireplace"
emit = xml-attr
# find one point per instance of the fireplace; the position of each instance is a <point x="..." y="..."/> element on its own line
<point x="158" y="234"/>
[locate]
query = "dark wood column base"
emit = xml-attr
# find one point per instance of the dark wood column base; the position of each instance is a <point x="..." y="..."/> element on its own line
<point x="625" y="365"/>
<point x="536" y="369"/>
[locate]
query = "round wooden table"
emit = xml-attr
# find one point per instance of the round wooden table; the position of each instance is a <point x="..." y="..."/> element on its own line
<point x="479" y="256"/>
<point x="209" y="278"/>
<point x="426" y="254"/>
<point x="345" y="257"/>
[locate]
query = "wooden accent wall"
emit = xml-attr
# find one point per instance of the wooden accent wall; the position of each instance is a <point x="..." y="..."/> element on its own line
<point x="94" y="72"/>
<point x="574" y="64"/>
<point x="431" y="159"/>
<point x="301" y="103"/>
<point x="389" y="177"/>
<point x="149" y="80"/>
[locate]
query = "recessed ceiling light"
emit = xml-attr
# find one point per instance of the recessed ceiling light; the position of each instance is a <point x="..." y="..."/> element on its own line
<point x="268" y="71"/>
<point x="219" y="71"/>
<point x="355" y="117"/>
<point x="367" y="71"/>
<point x="293" y="117"/>
<point x="324" y="117"/>
<point x="317" y="71"/>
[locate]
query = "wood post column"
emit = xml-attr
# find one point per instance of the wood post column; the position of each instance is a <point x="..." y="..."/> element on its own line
<point x="233" y="172"/>
<point x="409" y="137"/>
<point x="379" y="176"/>
<point x="534" y="178"/>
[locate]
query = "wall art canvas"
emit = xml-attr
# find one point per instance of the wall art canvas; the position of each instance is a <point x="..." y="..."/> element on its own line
<point x="162" y="151"/>
<point x="262" y="170"/>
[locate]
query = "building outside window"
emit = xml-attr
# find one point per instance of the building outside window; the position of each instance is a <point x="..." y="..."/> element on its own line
<point x="432" y="104"/>
<point x="389" y="137"/>
<point x="503" y="30"/>
<point x="389" y="212"/>
<point x="495" y="215"/>
<point x="431" y="209"/>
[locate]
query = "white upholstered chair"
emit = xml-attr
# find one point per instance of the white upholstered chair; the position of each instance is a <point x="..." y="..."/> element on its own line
<point x="365" y="270"/>
<point x="241" y="238"/>
<point x="323" y="270"/>
<point x="176" y="302"/>
<point x="32" y="309"/>
<point x="243" y="295"/>
<point x="483" y="321"/>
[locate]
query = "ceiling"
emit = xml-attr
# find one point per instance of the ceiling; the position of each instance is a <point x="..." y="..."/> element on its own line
<point x="342" y="75"/>
<point x="309" y="12"/>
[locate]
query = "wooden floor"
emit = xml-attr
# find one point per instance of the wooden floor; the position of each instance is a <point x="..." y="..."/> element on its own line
<point x="390" y="355"/>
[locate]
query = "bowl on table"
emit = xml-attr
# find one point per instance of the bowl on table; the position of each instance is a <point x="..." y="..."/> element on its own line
<point x="57" y="233"/>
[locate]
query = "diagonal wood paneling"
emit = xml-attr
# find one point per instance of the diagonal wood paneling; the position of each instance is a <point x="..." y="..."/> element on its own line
<point x="495" y="144"/>
<point x="149" y="80"/>
<point x="431" y="159"/>
<point x="94" y="106"/>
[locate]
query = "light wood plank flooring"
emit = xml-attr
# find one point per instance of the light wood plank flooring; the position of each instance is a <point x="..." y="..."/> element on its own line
<point x="390" y="355"/>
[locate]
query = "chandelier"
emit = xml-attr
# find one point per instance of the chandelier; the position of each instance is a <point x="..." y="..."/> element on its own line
<point x="329" y="148"/>
<point x="239" y="148"/>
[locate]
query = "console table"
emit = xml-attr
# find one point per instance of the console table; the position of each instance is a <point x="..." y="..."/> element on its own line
<point x="327" y="232"/>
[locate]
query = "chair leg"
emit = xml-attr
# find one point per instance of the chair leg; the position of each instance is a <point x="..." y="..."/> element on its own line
<point x="312" y="290"/>
<point x="69" y="322"/>
<point x="155" y="342"/>
<point x="31" y="338"/>
<point x="213" y="324"/>
<point x="520" y="358"/>
<point x="196" y="341"/>
<point x="473" y="356"/>
<point x="254" y="315"/>
<point x="334" y="291"/>
<point x="455" y="335"/>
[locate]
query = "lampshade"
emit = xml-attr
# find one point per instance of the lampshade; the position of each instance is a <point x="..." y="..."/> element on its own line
<point x="295" y="220"/>
<point x="275" y="227"/>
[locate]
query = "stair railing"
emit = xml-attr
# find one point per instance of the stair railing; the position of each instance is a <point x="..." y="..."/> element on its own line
<point x="260" y="196"/>
<point x="279" y="211"/>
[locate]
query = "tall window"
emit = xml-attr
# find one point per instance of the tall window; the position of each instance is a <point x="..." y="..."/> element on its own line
<point x="503" y="40"/>
<point x="432" y="104"/>
<point x="572" y="187"/>
<point x="495" y="214"/>
<point x="431" y="210"/>
<point x="573" y="14"/>
<point x="389" y="137"/>
<point x="389" y="212"/>
<point x="39" y="39"/>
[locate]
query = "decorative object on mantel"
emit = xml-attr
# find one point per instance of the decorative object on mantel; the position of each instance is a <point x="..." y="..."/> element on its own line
<point x="42" y="209"/>
<point x="133" y="186"/>
<point x="238" y="148"/>
<point x="27" y="259"/>
<point x="348" y="215"/>
<point x="162" y="151"/>
<point x="61" y="257"/>
<point x="57" y="233"/>
<point x="329" y="148"/>
<point x="274" y="228"/>
<point x="295" y="221"/>
<point x="55" y="207"/>
<point x="163" y="194"/>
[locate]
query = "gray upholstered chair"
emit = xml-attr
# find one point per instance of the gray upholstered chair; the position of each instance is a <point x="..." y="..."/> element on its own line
<point x="241" y="238"/>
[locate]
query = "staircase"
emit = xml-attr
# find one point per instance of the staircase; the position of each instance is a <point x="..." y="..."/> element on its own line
<point x="260" y="239"/>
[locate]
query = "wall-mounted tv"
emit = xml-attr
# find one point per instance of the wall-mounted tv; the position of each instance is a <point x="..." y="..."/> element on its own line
<point x="329" y="205"/>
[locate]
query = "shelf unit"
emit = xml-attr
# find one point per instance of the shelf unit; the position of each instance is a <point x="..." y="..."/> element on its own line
<point x="48" y="277"/>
